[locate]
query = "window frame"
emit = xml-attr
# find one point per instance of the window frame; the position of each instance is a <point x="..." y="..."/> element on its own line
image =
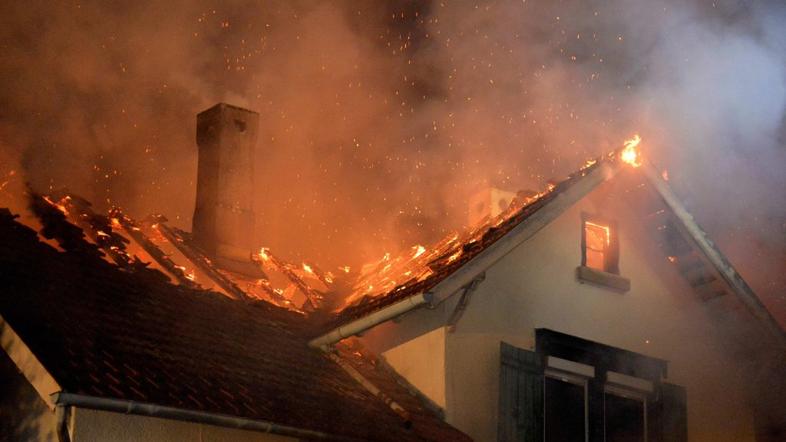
<point x="607" y="370"/>
<point x="609" y="277"/>
<point x="611" y="256"/>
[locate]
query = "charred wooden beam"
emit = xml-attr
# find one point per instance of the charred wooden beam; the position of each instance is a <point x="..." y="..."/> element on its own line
<point x="313" y="298"/>
<point x="135" y="232"/>
<point x="199" y="259"/>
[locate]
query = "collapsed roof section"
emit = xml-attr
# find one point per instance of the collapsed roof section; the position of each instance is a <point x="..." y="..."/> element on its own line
<point x="112" y="334"/>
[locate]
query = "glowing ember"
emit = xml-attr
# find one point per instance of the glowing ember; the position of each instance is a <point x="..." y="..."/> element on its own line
<point x="308" y="268"/>
<point x="59" y="205"/>
<point x="263" y="254"/>
<point x="630" y="153"/>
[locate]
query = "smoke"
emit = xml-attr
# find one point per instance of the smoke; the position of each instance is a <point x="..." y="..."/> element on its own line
<point x="379" y="119"/>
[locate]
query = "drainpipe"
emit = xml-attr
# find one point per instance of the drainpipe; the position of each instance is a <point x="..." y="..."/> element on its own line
<point x="353" y="328"/>
<point x="62" y="414"/>
<point x="66" y="400"/>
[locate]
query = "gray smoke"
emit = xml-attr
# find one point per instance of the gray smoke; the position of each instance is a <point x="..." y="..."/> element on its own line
<point x="380" y="118"/>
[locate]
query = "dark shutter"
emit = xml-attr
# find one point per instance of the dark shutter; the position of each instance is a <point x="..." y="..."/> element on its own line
<point x="668" y="415"/>
<point x="520" y="396"/>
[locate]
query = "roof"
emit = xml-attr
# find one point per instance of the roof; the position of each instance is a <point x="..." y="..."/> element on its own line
<point x="686" y="245"/>
<point x="106" y="331"/>
<point x="454" y="253"/>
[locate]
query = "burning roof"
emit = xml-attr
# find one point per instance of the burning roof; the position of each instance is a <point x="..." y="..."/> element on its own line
<point x="105" y="330"/>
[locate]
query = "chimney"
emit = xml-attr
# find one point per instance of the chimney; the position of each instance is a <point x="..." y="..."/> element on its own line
<point x="224" y="220"/>
<point x="488" y="203"/>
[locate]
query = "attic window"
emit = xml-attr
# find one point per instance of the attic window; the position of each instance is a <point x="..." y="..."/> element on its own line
<point x="600" y="254"/>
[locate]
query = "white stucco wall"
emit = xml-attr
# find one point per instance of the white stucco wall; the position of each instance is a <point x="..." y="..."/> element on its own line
<point x="426" y="372"/>
<point x="535" y="287"/>
<point x="93" y="425"/>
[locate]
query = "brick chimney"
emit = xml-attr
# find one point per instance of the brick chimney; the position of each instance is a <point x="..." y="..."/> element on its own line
<point x="224" y="220"/>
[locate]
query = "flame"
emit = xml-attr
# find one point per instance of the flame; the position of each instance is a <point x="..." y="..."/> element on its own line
<point x="59" y="205"/>
<point x="308" y="268"/>
<point x="115" y="222"/>
<point x="191" y="275"/>
<point x="419" y="250"/>
<point x="630" y="153"/>
<point x="263" y="254"/>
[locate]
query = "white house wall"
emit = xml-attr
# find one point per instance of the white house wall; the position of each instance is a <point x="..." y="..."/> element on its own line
<point x="535" y="287"/>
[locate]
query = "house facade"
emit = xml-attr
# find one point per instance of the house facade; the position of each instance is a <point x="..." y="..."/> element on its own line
<point x="605" y="320"/>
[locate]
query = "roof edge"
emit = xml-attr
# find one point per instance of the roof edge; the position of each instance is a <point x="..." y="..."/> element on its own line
<point x="28" y="364"/>
<point x="161" y="411"/>
<point x="604" y="171"/>
<point x="712" y="253"/>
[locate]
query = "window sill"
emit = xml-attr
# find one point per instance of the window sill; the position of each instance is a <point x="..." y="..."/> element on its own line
<point x="602" y="279"/>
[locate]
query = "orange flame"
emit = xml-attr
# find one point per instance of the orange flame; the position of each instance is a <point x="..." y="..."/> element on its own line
<point x="630" y="153"/>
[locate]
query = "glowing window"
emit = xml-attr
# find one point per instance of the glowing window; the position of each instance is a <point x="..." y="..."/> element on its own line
<point x="599" y="245"/>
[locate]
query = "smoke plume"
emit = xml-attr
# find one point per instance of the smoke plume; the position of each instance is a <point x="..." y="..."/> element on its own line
<point x="379" y="119"/>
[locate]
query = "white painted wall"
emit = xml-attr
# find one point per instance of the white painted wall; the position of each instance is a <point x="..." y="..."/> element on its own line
<point x="535" y="287"/>
<point x="94" y="425"/>
<point x="427" y="370"/>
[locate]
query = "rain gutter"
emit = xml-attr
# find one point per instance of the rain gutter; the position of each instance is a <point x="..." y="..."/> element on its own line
<point x="62" y="399"/>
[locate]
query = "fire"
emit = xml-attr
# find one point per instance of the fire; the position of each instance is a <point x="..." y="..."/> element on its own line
<point x="263" y="254"/>
<point x="630" y="153"/>
<point x="308" y="268"/>
<point x="419" y="250"/>
<point x="59" y="205"/>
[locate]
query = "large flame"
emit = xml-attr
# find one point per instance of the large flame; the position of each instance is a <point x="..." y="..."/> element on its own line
<point x="630" y="154"/>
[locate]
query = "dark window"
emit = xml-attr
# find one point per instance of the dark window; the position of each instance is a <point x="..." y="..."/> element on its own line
<point x="565" y="409"/>
<point x="625" y="418"/>
<point x="570" y="389"/>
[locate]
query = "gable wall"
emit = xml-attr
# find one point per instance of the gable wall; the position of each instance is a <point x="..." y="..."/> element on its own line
<point x="535" y="287"/>
<point x="24" y="416"/>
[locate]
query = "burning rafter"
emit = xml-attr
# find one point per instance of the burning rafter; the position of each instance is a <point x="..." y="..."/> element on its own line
<point x="99" y="229"/>
<point x="176" y="237"/>
<point x="313" y="297"/>
<point x="135" y="232"/>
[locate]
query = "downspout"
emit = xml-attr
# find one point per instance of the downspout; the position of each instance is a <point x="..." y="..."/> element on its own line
<point x="62" y="415"/>
<point x="325" y="341"/>
<point x="66" y="400"/>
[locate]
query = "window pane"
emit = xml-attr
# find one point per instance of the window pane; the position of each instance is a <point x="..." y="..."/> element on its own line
<point x="596" y="260"/>
<point x="624" y="419"/>
<point x="597" y="236"/>
<point x="564" y="410"/>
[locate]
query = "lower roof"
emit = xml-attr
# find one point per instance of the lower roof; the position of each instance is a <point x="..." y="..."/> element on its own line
<point x="107" y="333"/>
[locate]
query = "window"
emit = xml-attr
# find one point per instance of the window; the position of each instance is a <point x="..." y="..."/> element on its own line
<point x="571" y="389"/>
<point x="600" y="250"/>
<point x="600" y="254"/>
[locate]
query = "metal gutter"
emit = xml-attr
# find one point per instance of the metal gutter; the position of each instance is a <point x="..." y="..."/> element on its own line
<point x="480" y="263"/>
<point x="710" y="251"/>
<point x="371" y="320"/>
<point x="160" y="411"/>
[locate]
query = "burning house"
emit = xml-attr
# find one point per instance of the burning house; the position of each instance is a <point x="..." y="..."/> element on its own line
<point x="596" y="309"/>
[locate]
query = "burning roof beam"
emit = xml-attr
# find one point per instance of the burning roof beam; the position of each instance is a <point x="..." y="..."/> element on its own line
<point x="201" y="261"/>
<point x="313" y="298"/>
<point x="135" y="232"/>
